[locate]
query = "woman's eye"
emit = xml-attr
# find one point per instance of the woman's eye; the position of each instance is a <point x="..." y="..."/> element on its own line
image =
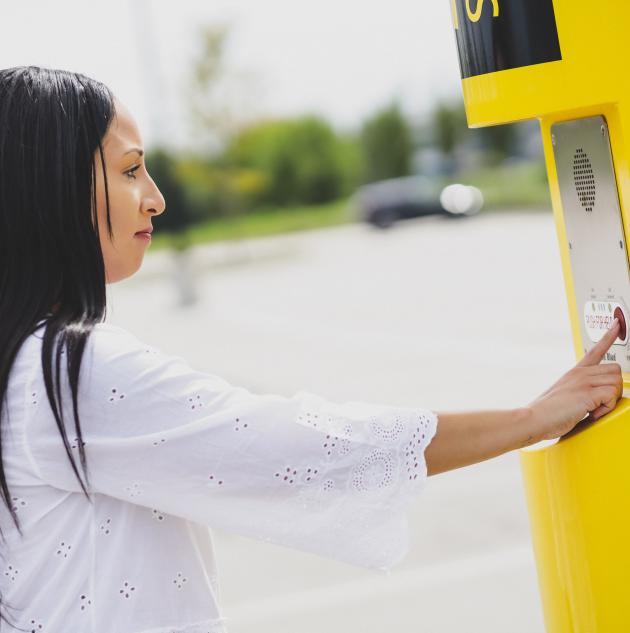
<point x="130" y="173"/>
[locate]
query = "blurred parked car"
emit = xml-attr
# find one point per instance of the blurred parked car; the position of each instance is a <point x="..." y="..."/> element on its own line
<point x="384" y="202"/>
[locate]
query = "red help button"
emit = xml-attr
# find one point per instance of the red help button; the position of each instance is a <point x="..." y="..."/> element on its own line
<point x="598" y="317"/>
<point x="623" y="330"/>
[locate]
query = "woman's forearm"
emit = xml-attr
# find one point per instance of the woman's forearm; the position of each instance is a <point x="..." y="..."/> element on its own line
<point x="467" y="437"/>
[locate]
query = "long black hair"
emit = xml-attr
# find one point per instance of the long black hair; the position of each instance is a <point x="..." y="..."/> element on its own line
<point x="52" y="123"/>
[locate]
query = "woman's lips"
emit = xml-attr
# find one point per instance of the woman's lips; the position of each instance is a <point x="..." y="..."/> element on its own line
<point x="146" y="236"/>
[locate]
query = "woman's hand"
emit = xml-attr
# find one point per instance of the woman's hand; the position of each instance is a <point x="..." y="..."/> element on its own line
<point x="468" y="437"/>
<point x="588" y="388"/>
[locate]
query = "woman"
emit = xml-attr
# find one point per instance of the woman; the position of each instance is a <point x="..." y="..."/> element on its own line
<point x="167" y="451"/>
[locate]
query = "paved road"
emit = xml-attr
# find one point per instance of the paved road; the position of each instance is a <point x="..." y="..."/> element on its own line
<point x="447" y="314"/>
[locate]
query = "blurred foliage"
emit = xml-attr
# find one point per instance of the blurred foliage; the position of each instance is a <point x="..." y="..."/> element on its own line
<point x="498" y="142"/>
<point x="265" y="176"/>
<point x="211" y="114"/>
<point x="299" y="160"/>
<point x="387" y="145"/>
<point x="449" y="126"/>
<point x="268" y="221"/>
<point x="350" y="157"/>
<point x="451" y="131"/>
<point x="509" y="186"/>
<point x="216" y="191"/>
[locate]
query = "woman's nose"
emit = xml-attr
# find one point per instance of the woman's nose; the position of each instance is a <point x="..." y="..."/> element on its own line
<point x="155" y="204"/>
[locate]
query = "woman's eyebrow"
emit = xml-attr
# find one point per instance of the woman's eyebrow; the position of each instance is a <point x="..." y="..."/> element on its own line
<point x="134" y="149"/>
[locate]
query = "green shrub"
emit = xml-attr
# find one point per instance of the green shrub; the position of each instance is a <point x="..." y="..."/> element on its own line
<point x="387" y="145"/>
<point x="299" y="159"/>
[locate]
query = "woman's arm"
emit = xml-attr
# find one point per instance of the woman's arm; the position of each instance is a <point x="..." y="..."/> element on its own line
<point x="473" y="436"/>
<point x="588" y="388"/>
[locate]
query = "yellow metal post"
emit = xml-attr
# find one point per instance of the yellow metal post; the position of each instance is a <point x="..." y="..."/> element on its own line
<point x="559" y="61"/>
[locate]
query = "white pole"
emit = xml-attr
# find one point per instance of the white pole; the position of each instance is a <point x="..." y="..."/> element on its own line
<point x="156" y="96"/>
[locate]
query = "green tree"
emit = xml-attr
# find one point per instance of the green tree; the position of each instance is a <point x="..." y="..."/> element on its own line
<point x="449" y="126"/>
<point x="386" y="143"/>
<point x="210" y="114"/>
<point x="300" y="159"/>
<point x="450" y="129"/>
<point x="350" y="158"/>
<point x="499" y="141"/>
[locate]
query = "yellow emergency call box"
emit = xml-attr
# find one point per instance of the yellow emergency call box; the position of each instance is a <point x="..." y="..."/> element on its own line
<point x="567" y="64"/>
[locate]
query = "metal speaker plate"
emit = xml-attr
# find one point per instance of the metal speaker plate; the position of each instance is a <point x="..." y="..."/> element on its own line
<point x="594" y="226"/>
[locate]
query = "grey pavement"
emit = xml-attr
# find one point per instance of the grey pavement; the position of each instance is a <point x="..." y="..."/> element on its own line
<point x="448" y="314"/>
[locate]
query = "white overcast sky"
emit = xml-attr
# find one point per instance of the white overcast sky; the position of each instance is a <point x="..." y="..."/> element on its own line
<point x="339" y="58"/>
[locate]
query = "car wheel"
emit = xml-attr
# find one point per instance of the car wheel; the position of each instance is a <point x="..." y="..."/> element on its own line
<point x="383" y="219"/>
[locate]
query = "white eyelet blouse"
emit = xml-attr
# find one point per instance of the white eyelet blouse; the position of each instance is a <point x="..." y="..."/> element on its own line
<point x="171" y="452"/>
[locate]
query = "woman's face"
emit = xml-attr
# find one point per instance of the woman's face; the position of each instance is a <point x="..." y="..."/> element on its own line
<point x="134" y="198"/>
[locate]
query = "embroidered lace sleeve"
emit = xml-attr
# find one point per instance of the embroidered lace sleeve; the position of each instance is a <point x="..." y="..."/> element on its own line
<point x="327" y="478"/>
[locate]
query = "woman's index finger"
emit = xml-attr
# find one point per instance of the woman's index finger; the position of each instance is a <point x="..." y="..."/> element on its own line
<point x="595" y="355"/>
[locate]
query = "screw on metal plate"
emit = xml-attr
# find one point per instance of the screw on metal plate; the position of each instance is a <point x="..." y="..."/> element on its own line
<point x="553" y="140"/>
<point x="570" y="246"/>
